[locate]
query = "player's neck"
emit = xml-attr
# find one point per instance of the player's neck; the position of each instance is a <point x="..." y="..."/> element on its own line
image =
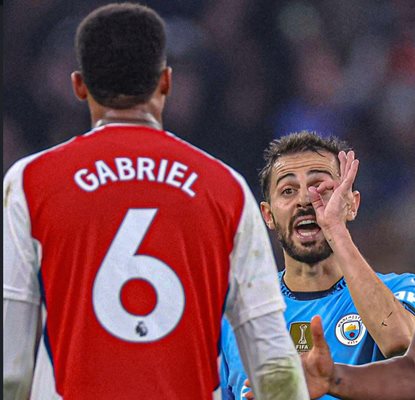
<point x="140" y="115"/>
<point x="135" y="121"/>
<point x="301" y="277"/>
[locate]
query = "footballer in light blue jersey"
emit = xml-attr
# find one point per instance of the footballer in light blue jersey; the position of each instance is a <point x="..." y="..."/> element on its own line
<point x="348" y="339"/>
<point x="307" y="184"/>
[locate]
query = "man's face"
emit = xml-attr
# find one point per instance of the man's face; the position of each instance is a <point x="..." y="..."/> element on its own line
<point x="290" y="211"/>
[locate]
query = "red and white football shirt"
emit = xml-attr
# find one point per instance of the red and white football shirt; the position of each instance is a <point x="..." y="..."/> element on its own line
<point x="133" y="240"/>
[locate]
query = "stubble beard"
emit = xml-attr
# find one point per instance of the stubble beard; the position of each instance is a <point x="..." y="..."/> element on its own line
<point x="310" y="253"/>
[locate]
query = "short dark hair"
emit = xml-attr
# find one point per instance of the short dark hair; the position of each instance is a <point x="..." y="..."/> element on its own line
<point x="121" y="50"/>
<point x="297" y="142"/>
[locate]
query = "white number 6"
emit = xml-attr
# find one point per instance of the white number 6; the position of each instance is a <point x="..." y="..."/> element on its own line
<point x="120" y="265"/>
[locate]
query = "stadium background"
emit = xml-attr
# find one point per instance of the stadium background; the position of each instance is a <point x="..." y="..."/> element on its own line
<point x="246" y="71"/>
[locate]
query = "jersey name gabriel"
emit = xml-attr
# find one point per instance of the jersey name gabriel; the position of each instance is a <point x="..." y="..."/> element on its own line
<point x="173" y="173"/>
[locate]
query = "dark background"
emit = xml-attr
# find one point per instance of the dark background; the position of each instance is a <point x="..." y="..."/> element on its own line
<point x="245" y="72"/>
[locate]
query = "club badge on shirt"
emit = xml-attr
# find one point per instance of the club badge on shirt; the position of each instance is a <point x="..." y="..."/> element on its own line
<point x="350" y="330"/>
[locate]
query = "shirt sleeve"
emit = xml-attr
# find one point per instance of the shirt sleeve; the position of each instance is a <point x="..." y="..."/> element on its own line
<point x="21" y="294"/>
<point x="20" y="321"/>
<point x="403" y="287"/>
<point x="21" y="253"/>
<point x="254" y="287"/>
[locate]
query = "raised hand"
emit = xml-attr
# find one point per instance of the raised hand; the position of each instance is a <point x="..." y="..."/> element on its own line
<point x="335" y="209"/>
<point x="317" y="363"/>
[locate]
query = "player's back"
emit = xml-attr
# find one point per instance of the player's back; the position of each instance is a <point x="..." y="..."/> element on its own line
<point x="136" y="229"/>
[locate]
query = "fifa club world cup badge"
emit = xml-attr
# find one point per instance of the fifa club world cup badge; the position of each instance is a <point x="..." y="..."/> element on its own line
<point x="350" y="330"/>
<point x="301" y="335"/>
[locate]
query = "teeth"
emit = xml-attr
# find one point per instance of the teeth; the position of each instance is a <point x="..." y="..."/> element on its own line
<point x="307" y="234"/>
<point x="306" y="222"/>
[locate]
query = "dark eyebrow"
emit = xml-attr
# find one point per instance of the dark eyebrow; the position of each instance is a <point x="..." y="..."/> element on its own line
<point x="311" y="172"/>
<point x="283" y="177"/>
<point x="319" y="171"/>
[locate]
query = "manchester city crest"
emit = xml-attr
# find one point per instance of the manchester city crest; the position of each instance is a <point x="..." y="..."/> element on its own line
<point x="350" y="330"/>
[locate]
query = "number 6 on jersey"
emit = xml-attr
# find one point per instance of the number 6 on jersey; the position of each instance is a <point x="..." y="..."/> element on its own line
<point x="120" y="265"/>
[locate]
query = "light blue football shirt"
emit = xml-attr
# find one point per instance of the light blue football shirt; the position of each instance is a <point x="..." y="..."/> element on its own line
<point x="349" y="341"/>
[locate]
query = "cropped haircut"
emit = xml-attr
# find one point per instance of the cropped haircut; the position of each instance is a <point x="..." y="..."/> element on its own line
<point x="297" y="142"/>
<point x="121" y="52"/>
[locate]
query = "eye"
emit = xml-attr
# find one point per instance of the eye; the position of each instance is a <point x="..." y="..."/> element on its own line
<point x="287" y="191"/>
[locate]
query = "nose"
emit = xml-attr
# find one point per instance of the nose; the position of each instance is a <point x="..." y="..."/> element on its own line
<point x="303" y="200"/>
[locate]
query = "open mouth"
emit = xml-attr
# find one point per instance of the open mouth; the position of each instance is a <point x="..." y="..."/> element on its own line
<point x="307" y="228"/>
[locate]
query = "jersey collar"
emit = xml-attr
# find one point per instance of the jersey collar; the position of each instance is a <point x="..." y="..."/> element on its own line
<point x="339" y="285"/>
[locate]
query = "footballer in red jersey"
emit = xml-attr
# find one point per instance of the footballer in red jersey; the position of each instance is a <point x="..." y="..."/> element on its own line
<point x="130" y="243"/>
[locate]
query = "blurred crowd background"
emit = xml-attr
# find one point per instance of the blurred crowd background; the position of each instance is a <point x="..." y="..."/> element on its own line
<point x="246" y="72"/>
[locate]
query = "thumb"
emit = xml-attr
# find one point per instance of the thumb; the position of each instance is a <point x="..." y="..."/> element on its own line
<point x="317" y="334"/>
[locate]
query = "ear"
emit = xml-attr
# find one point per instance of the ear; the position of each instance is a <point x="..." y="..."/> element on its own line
<point x="165" y="82"/>
<point x="267" y="214"/>
<point x="355" y="206"/>
<point x="78" y="86"/>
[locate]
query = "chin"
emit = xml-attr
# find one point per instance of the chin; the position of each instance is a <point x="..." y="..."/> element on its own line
<point x="309" y="253"/>
<point x="310" y="258"/>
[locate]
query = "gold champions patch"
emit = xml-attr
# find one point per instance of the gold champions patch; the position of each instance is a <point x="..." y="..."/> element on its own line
<point x="301" y="335"/>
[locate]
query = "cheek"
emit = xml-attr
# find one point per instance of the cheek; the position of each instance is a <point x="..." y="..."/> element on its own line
<point x="326" y="195"/>
<point x="280" y="216"/>
<point x="278" y="203"/>
<point x="282" y="207"/>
